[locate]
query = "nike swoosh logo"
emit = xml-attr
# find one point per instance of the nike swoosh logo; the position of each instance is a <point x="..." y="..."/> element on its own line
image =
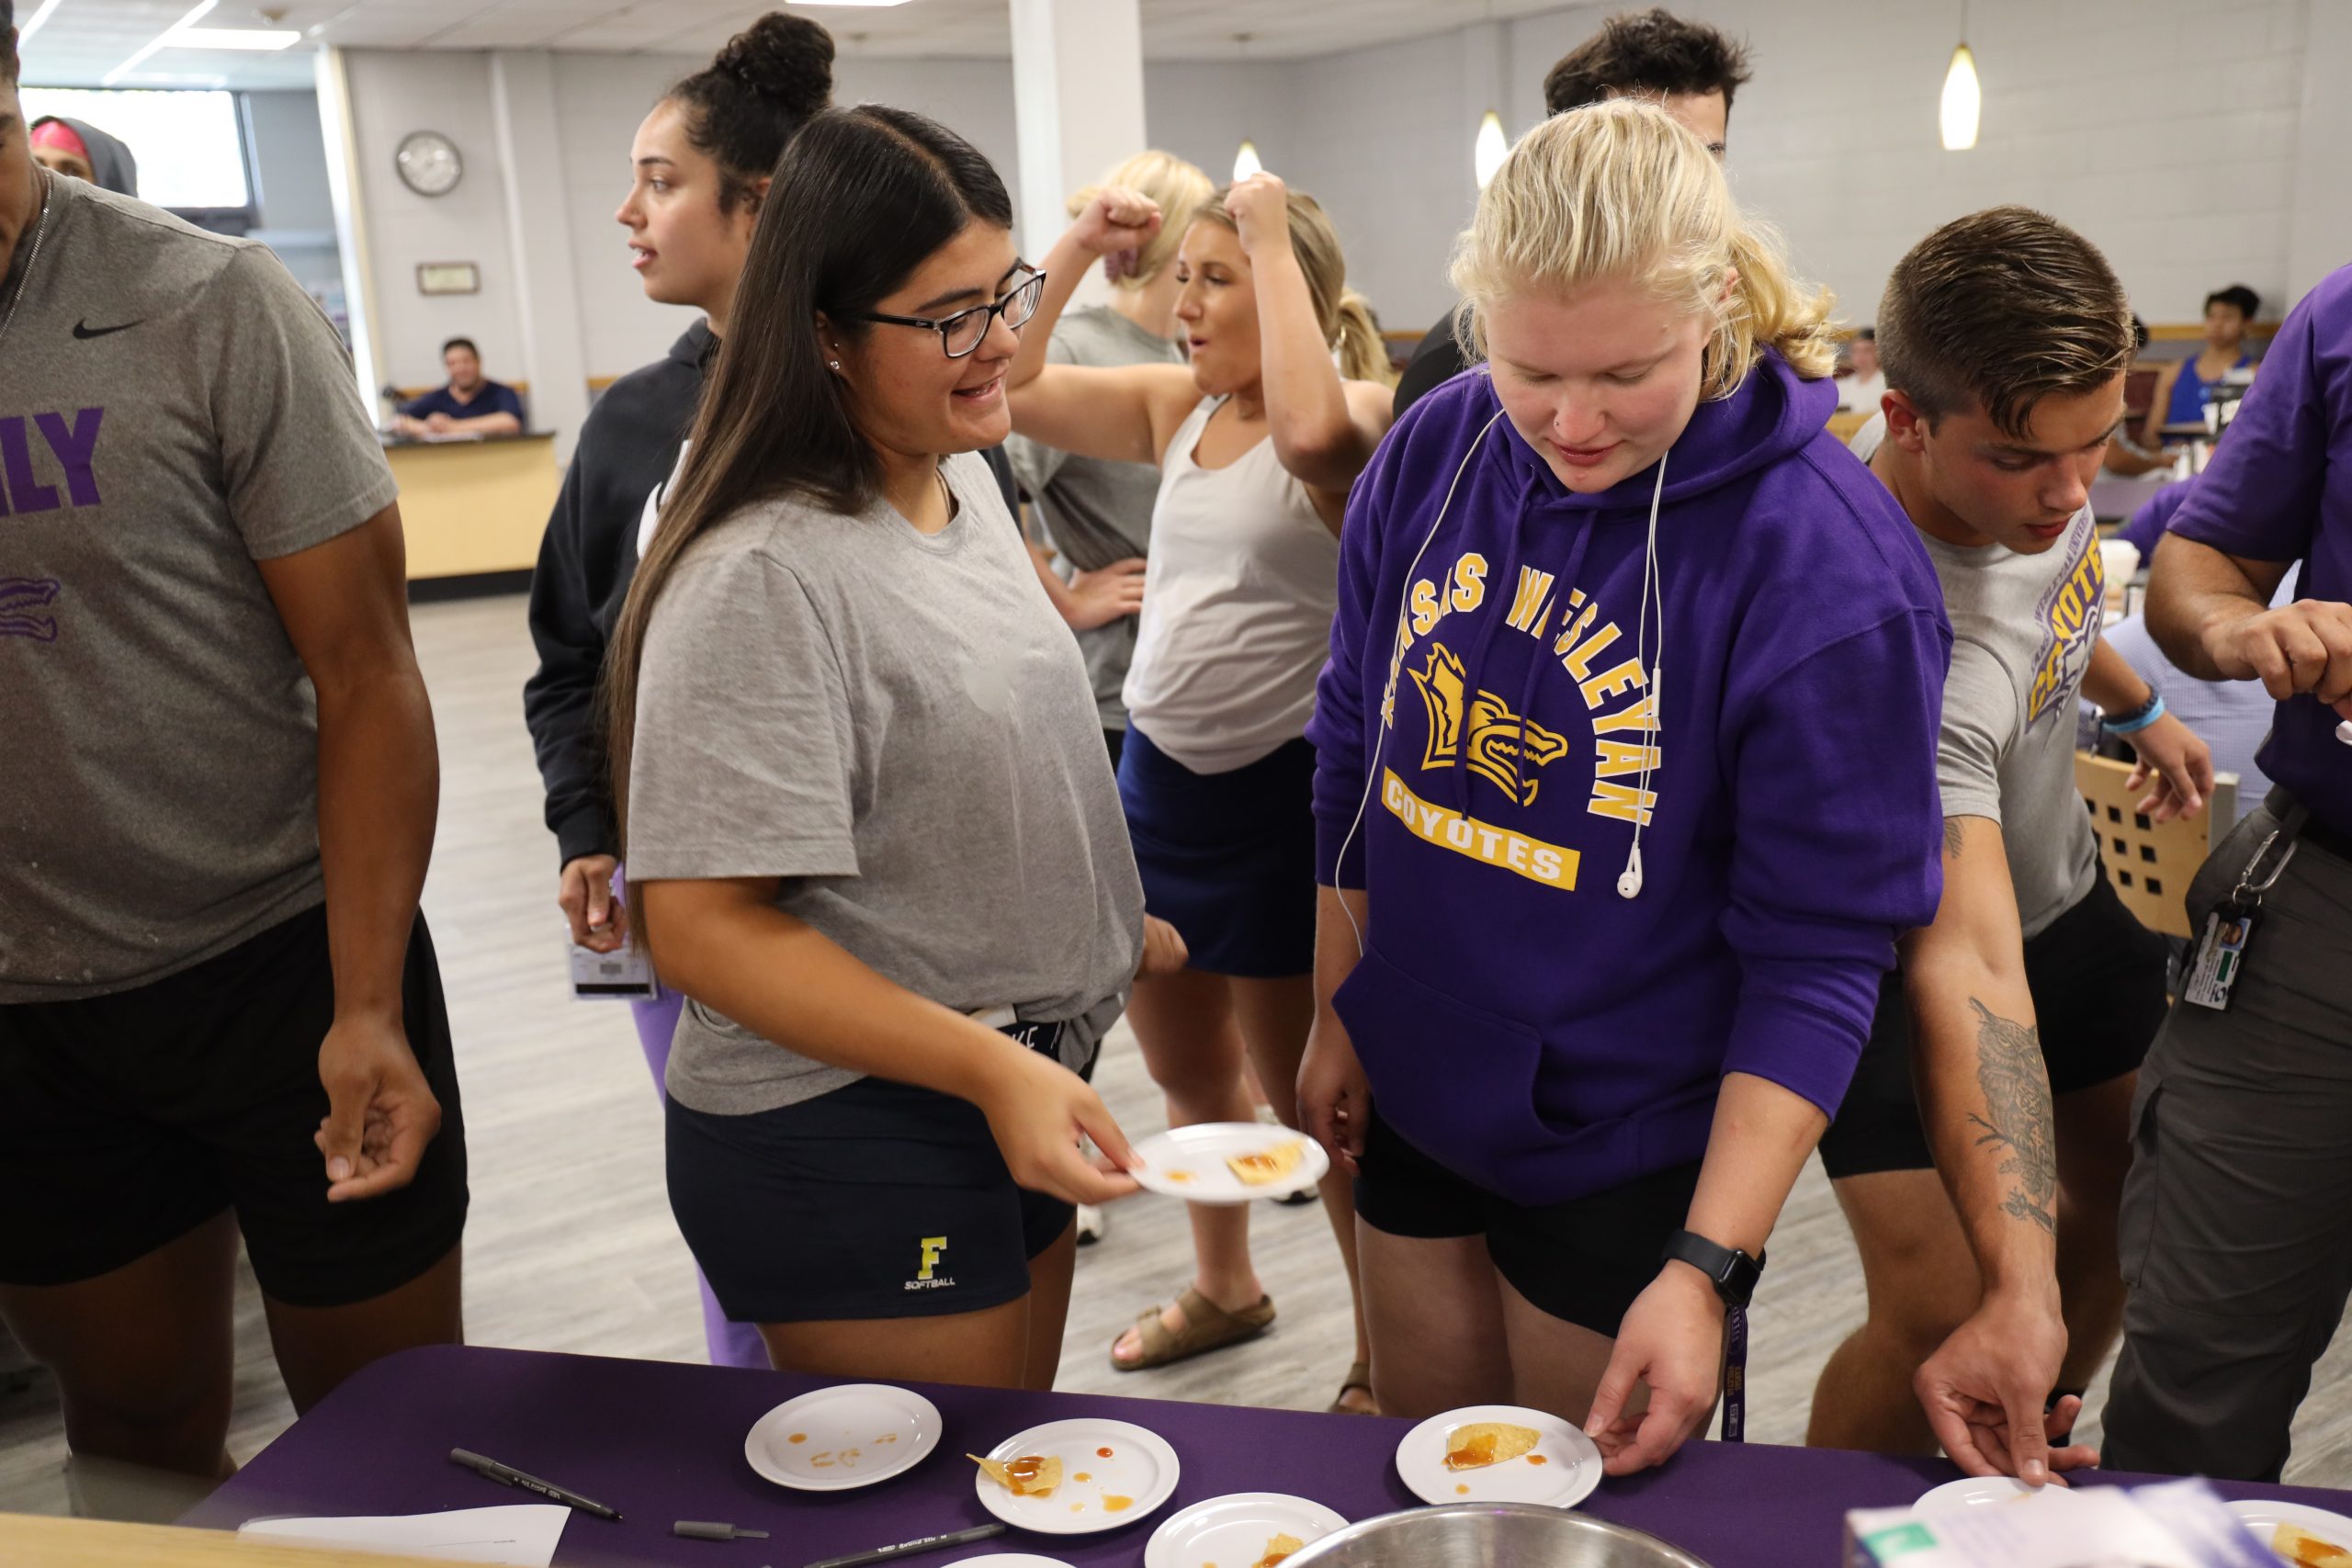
<point x="83" y="329"/>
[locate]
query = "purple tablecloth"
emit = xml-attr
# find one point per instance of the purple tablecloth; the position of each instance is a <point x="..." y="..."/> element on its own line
<point x="662" y="1441"/>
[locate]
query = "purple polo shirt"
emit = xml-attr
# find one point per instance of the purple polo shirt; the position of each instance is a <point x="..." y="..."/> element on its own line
<point x="2279" y="489"/>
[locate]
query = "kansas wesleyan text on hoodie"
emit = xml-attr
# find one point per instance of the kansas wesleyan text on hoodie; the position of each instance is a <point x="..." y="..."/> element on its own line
<point x="1520" y="1021"/>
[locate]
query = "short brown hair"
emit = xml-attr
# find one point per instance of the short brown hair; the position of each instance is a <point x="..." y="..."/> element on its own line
<point x="1646" y="52"/>
<point x="2002" y="308"/>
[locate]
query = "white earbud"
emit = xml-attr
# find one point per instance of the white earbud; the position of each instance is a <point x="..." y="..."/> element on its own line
<point x="1628" y="883"/>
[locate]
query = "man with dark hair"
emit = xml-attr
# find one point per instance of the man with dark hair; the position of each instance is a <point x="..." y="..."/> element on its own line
<point x="472" y="404"/>
<point x="2240" y="1201"/>
<point x="1691" y="71"/>
<point x="219" y="1012"/>
<point x="2005" y="339"/>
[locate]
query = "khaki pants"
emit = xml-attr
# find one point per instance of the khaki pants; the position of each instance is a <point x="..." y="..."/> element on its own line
<point x="2237" y="1216"/>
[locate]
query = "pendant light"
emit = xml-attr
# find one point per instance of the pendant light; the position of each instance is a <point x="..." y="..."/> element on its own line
<point x="1245" y="162"/>
<point x="1964" y="98"/>
<point x="1491" y="148"/>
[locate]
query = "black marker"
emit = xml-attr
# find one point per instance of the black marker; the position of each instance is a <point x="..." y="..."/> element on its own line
<point x="507" y="1475"/>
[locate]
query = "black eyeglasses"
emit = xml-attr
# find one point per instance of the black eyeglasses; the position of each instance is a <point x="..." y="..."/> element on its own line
<point x="962" y="333"/>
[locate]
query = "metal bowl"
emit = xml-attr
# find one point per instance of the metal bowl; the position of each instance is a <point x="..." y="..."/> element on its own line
<point x="1490" y="1535"/>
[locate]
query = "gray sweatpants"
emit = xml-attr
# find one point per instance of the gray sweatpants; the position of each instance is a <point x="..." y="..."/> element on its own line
<point x="2237" y="1216"/>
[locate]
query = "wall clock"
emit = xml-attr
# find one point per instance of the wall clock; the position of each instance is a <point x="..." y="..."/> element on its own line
<point x="429" y="164"/>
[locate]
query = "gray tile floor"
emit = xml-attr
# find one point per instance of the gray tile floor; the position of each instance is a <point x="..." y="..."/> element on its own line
<point x="571" y="1246"/>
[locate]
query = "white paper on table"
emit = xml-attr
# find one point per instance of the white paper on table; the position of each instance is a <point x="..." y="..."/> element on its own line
<point x="521" y="1534"/>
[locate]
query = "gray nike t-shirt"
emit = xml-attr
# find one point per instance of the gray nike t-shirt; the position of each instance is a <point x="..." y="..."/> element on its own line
<point x="2023" y="628"/>
<point x="172" y="410"/>
<point x="1096" y="512"/>
<point x="897" y="725"/>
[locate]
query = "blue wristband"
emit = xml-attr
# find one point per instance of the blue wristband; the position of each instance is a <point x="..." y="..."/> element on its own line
<point x="2137" y="719"/>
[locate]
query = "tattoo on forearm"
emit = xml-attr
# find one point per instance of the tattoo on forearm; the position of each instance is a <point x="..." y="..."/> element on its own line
<point x="2017" y="1102"/>
<point x="1954" y="830"/>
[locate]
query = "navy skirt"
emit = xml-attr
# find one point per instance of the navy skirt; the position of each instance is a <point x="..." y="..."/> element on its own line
<point x="1227" y="859"/>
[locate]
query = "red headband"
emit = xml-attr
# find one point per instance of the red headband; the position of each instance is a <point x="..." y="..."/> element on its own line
<point x="58" y="134"/>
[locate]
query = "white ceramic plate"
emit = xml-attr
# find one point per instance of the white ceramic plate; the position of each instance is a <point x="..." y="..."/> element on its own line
<point x="1008" y="1560"/>
<point x="2263" y="1516"/>
<point x="1232" y="1532"/>
<point x="1982" y="1491"/>
<point x="1569" y="1469"/>
<point x="1189" y="1162"/>
<point x="836" y="1439"/>
<point x="1117" y="1489"/>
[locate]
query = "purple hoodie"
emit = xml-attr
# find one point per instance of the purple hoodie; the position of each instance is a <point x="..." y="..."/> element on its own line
<point x="1519" y="1022"/>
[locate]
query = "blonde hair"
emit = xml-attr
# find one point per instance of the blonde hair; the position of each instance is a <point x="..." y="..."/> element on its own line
<point x="1179" y="188"/>
<point x="1344" y="315"/>
<point x="1620" y="190"/>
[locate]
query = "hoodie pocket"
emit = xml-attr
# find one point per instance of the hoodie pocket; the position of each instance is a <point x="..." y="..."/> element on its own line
<point x="1456" y="1082"/>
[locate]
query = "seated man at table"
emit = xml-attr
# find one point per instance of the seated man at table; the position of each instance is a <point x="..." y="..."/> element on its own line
<point x="472" y="404"/>
<point x="2005" y="339"/>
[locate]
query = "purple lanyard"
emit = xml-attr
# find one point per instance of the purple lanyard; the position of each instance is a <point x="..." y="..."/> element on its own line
<point x="1735" y="1375"/>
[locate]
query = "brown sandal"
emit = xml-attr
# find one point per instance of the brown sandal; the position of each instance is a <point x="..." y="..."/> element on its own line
<point x="1359" y="1376"/>
<point x="1207" y="1327"/>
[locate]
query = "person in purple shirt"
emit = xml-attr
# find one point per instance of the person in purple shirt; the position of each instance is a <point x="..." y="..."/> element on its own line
<point x="2147" y="527"/>
<point x="2237" y="1216"/>
<point x="1594" y="964"/>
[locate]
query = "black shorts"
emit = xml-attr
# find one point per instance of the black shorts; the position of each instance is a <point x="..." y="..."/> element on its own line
<point x="878" y="1200"/>
<point x="2097" y="976"/>
<point x="1584" y="1260"/>
<point x="129" y="1120"/>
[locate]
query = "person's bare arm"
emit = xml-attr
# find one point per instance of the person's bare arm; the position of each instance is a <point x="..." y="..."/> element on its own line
<point x="725" y="944"/>
<point x="2152" y="428"/>
<point x="345" y="606"/>
<point x="1984" y="1100"/>
<point x="2210" y="613"/>
<point x="1096" y="411"/>
<point x="1334" y="1096"/>
<point x="1322" y="433"/>
<point x="2169" y="753"/>
<point x="1671" y="1338"/>
<point x="501" y="424"/>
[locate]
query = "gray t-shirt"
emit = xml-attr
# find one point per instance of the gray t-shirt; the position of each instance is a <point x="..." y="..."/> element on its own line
<point x="2023" y="628"/>
<point x="174" y="409"/>
<point x="897" y="725"/>
<point x="1096" y="512"/>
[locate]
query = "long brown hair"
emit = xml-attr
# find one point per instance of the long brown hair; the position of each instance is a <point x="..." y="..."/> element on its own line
<point x="862" y="197"/>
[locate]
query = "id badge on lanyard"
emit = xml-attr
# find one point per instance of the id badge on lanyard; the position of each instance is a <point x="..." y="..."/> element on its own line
<point x="2218" y="961"/>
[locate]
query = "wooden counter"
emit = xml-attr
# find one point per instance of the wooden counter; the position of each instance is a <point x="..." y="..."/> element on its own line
<point x="474" y="508"/>
<point x="30" y="1542"/>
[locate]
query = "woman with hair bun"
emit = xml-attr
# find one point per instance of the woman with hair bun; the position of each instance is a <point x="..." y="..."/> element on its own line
<point x="699" y="171"/>
<point x="1596" y="961"/>
<point x="1258" y="441"/>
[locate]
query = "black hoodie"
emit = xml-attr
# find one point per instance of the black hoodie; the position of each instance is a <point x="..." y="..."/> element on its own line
<point x="627" y="450"/>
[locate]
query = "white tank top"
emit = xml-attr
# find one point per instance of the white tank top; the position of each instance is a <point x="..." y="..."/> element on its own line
<point x="1237" y="607"/>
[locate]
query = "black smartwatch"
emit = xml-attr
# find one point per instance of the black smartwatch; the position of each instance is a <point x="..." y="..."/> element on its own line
<point x="1732" y="1271"/>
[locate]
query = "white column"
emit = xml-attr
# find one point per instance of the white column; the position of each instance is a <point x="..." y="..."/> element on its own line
<point x="538" y="226"/>
<point x="2319" y="231"/>
<point x="342" y="140"/>
<point x="1077" y="102"/>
